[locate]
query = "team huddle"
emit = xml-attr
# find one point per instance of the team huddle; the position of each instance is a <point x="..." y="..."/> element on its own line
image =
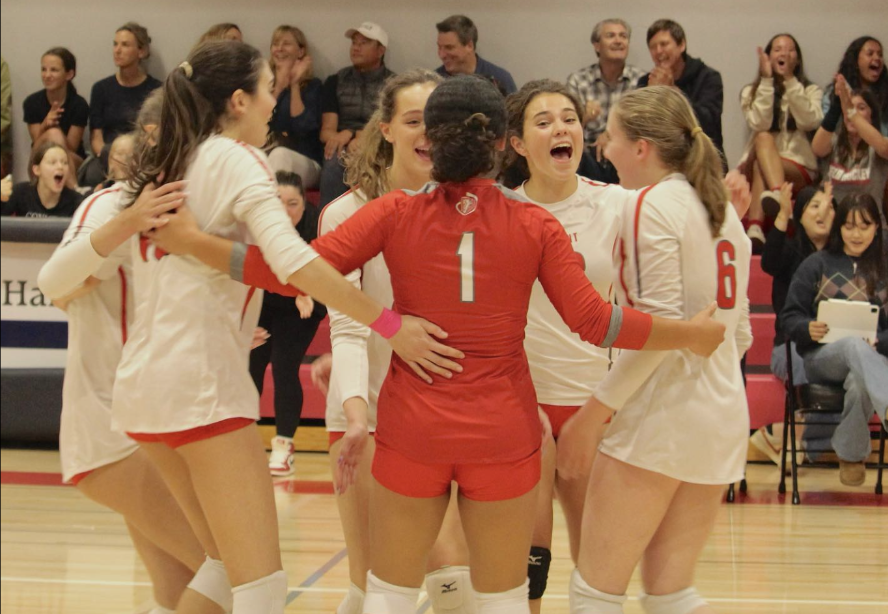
<point x="491" y="347"/>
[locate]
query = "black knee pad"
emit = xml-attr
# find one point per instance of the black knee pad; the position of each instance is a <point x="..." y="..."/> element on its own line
<point x="538" y="571"/>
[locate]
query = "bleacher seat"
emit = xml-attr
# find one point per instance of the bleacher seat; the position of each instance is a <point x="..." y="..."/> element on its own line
<point x="759" y="291"/>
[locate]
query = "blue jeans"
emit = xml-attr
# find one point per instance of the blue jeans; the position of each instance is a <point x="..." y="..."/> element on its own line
<point x="332" y="181"/>
<point x="815" y="437"/>
<point x="863" y="372"/>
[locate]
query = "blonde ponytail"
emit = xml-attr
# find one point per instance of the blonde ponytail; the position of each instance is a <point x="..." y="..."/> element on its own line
<point x="703" y="168"/>
<point x="663" y="117"/>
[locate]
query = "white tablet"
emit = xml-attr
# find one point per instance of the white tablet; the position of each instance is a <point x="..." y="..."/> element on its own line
<point x="848" y="319"/>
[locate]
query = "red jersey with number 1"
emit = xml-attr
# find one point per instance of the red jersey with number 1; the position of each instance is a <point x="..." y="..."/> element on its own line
<point x="465" y="256"/>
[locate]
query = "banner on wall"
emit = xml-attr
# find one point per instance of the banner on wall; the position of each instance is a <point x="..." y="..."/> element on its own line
<point x="33" y="333"/>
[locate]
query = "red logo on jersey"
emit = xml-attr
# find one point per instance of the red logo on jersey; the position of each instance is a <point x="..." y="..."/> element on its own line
<point x="467" y="204"/>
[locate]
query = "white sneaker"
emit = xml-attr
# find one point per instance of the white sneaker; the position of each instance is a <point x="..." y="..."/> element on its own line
<point x="280" y="462"/>
<point x="757" y="236"/>
<point x="767" y="443"/>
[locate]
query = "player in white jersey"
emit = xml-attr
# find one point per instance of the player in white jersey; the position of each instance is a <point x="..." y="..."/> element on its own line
<point x="395" y="156"/>
<point x="105" y="465"/>
<point x="656" y="483"/>
<point x="546" y="143"/>
<point x="183" y="390"/>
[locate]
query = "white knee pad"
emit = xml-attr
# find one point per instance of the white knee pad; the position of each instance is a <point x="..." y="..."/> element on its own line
<point x="513" y="601"/>
<point x="450" y="590"/>
<point x="586" y="600"/>
<point x="385" y="598"/>
<point x="353" y="602"/>
<point x="266" y="595"/>
<point x="212" y="582"/>
<point x="682" y="602"/>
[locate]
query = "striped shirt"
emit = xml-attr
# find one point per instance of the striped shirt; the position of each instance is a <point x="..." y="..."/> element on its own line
<point x="588" y="84"/>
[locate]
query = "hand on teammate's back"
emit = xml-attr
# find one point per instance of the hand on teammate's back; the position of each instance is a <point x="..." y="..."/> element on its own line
<point x="416" y="346"/>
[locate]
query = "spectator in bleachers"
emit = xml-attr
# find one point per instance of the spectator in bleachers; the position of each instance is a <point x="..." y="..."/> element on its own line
<point x="296" y="123"/>
<point x="673" y="66"/>
<point x="46" y="195"/>
<point x="852" y="268"/>
<point x="457" y="43"/>
<point x="115" y="101"/>
<point x="6" y="120"/>
<point x="222" y="32"/>
<point x="811" y="216"/>
<point x="57" y="112"/>
<point x="600" y="85"/>
<point x="291" y="328"/>
<point x="863" y="67"/>
<point x="781" y="107"/>
<point x="854" y="152"/>
<point x="348" y="99"/>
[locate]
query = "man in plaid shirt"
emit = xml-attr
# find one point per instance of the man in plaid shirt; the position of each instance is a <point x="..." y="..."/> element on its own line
<point x="600" y="85"/>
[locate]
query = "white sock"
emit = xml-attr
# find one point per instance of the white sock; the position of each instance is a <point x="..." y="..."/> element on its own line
<point x="353" y="602"/>
<point x="159" y="609"/>
<point x="212" y="582"/>
<point x="266" y="595"/>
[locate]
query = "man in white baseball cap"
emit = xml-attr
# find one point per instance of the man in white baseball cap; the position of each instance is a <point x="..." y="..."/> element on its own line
<point x="371" y="30"/>
<point x="348" y="99"/>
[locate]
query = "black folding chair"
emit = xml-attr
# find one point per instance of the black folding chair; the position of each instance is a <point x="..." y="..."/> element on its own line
<point x="810" y="404"/>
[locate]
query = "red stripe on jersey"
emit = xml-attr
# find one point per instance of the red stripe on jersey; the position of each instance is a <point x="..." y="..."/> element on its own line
<point x="622" y="277"/>
<point x="250" y="293"/>
<point x="258" y="159"/>
<point x="122" y="304"/>
<point x="92" y="200"/>
<point x="324" y="210"/>
<point x="597" y="184"/>
<point x="635" y="234"/>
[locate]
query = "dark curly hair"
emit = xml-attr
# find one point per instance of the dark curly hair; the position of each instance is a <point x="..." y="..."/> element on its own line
<point x="849" y="69"/>
<point x="465" y="117"/>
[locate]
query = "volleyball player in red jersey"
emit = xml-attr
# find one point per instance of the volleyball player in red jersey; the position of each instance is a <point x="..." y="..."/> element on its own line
<point x="467" y="251"/>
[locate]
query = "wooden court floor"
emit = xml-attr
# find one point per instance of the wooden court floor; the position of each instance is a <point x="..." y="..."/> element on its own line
<point x="63" y="553"/>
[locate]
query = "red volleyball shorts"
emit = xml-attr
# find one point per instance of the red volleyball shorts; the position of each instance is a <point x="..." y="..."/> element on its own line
<point x="75" y="480"/>
<point x="558" y="415"/>
<point x="477" y="481"/>
<point x="180" y="438"/>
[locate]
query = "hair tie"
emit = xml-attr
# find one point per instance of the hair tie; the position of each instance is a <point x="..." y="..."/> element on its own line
<point x="186" y="68"/>
<point x="695" y="131"/>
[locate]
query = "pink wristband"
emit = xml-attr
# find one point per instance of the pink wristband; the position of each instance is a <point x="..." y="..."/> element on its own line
<point x="387" y="324"/>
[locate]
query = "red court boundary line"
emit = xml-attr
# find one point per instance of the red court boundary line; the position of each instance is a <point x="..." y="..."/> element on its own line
<point x="34" y="478"/>
<point x="316" y="487"/>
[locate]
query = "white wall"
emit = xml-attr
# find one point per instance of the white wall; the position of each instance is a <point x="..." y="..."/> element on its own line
<point x="531" y="38"/>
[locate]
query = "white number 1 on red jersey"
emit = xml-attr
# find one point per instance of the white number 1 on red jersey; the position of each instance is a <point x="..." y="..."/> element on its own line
<point x="466" y="253"/>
